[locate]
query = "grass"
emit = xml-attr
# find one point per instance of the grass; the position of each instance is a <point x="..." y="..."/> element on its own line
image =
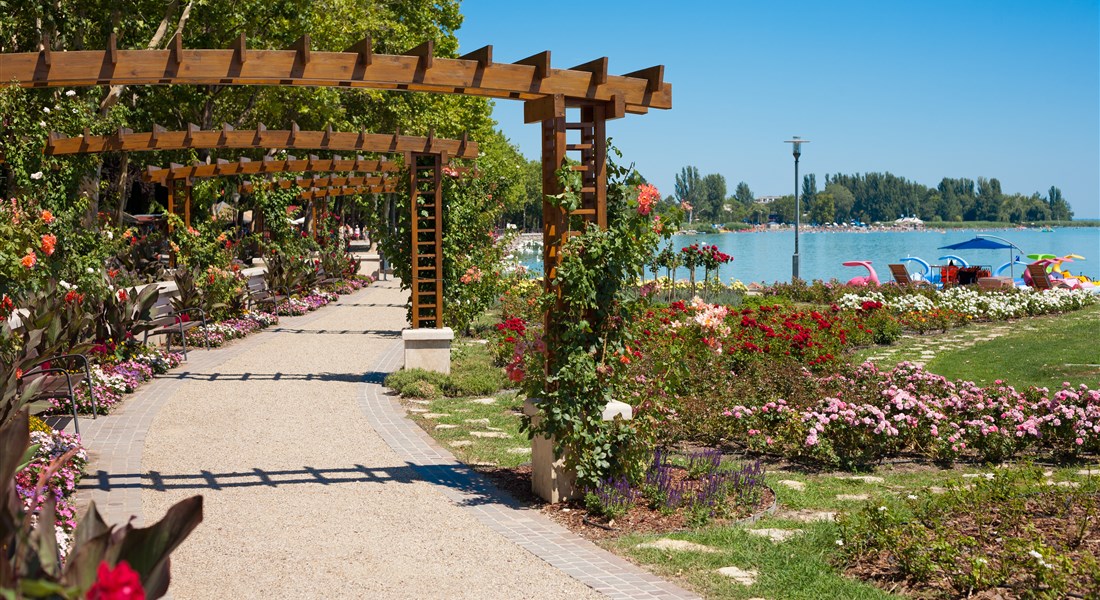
<point x="1063" y="350"/>
<point x="1041" y="351"/>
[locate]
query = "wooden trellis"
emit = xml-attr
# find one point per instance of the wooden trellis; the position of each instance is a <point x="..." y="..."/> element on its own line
<point x="426" y="201"/>
<point x="546" y="91"/>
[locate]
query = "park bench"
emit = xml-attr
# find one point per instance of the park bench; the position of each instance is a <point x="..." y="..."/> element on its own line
<point x="177" y="323"/>
<point x="56" y="378"/>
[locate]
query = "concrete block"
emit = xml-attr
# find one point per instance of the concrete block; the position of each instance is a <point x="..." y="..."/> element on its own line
<point x="550" y="479"/>
<point x="428" y="349"/>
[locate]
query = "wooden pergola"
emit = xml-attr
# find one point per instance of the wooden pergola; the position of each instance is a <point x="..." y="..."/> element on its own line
<point x="547" y="93"/>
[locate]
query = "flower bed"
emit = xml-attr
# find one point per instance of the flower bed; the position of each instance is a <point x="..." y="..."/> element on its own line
<point x="866" y="414"/>
<point x="111" y="380"/>
<point x="216" y="334"/>
<point x="51" y="445"/>
<point x="975" y="304"/>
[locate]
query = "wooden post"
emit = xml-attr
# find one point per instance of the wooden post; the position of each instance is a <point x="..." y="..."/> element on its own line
<point x="187" y="203"/>
<point x="171" y="183"/>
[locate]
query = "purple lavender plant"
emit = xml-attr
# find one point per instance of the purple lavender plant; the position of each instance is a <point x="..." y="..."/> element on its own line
<point x="612" y="497"/>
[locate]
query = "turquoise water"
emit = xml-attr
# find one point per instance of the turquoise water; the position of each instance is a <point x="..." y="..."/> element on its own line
<point x="765" y="256"/>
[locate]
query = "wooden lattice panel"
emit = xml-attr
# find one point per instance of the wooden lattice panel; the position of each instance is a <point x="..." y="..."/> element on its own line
<point x="426" y="204"/>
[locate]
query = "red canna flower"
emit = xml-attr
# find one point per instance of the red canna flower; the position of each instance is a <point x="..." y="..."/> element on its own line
<point x="120" y="583"/>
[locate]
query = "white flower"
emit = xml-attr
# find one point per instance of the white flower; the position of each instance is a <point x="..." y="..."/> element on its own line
<point x="981" y="561"/>
<point x="70" y="93"/>
<point x="1035" y="554"/>
<point x="66" y="284"/>
<point x="90" y="270"/>
<point x="37" y="175"/>
<point x="882" y="509"/>
<point x="42" y="124"/>
<point x="110" y="234"/>
<point x="46" y="109"/>
<point x="912" y="496"/>
<point x="840" y="542"/>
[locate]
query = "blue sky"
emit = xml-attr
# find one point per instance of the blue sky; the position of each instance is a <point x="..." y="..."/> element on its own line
<point x="923" y="89"/>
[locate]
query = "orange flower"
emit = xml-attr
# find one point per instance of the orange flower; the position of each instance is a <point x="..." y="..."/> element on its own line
<point x="30" y="259"/>
<point x="47" y="217"/>
<point x="49" y="243"/>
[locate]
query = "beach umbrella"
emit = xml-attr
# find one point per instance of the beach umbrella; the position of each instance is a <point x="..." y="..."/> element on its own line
<point x="981" y="243"/>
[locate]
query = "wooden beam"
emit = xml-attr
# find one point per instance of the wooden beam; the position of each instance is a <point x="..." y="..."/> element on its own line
<point x="112" y="48"/>
<point x="301" y="48"/>
<point x="483" y="56"/>
<point x="540" y="61"/>
<point x="363" y="51"/>
<point x="290" y="165"/>
<point x="547" y="107"/>
<point x="425" y="53"/>
<point x="598" y="69"/>
<point x="261" y="137"/>
<point x="654" y="76"/>
<point x="528" y="80"/>
<point x="175" y="48"/>
<point x="240" y="49"/>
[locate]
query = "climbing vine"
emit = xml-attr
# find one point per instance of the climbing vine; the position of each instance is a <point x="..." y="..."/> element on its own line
<point x="586" y="346"/>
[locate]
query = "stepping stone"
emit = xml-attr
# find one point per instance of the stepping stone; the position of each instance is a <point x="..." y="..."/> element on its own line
<point x="1069" y="484"/>
<point x="519" y="451"/>
<point x="485" y="401"/>
<point x="794" y="485"/>
<point x="461" y="410"/>
<point x="476" y="421"/>
<point x="417" y="410"/>
<point x="446" y="426"/>
<point x="977" y="475"/>
<point x="775" y="535"/>
<point x="494" y="428"/>
<point x="745" y="578"/>
<point x="1089" y="472"/>
<point x="805" y="515"/>
<point x="461" y="443"/>
<point x="937" y="490"/>
<point x="853" y="497"/>
<point x="435" y="415"/>
<point x="677" y="545"/>
<point x="421" y="402"/>
<point x="490" y="434"/>
<point x="865" y="478"/>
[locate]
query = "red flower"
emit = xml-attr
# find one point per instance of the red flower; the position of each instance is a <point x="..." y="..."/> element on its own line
<point x="30" y="260"/>
<point x="121" y="583"/>
<point x="47" y="217"/>
<point x="122" y="295"/>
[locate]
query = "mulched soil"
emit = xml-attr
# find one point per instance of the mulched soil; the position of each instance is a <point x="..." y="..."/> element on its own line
<point x="639" y="519"/>
<point x="1070" y="527"/>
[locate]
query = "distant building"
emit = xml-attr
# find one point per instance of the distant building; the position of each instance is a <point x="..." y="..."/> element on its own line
<point x="767" y="199"/>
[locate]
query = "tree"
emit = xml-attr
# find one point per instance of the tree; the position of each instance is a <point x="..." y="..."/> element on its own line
<point x="809" y="188"/>
<point x="783" y="209"/>
<point x="743" y="194"/>
<point x="987" y="204"/>
<point x="822" y="210"/>
<point x="843" y="202"/>
<point x="689" y="186"/>
<point x="713" y="199"/>
<point x="1059" y="207"/>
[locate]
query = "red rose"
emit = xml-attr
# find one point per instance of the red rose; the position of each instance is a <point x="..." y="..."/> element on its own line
<point x="121" y="583"/>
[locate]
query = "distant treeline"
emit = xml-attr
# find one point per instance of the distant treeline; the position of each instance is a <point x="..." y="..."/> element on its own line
<point x="868" y="198"/>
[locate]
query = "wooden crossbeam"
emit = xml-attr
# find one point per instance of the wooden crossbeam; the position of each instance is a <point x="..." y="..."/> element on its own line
<point x="483" y="56"/>
<point x="425" y="53"/>
<point x="246" y="167"/>
<point x="597" y="67"/>
<point x="363" y="50"/>
<point x="301" y="47"/>
<point x="540" y="61"/>
<point x="317" y="182"/>
<point x="528" y="79"/>
<point x="388" y="188"/>
<point x="261" y="137"/>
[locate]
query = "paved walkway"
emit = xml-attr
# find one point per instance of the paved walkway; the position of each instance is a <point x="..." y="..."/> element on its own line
<point x="316" y="485"/>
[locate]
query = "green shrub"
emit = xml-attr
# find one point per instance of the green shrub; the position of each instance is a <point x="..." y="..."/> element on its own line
<point x="416" y="383"/>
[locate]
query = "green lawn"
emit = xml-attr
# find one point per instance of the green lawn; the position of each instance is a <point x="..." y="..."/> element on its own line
<point x="1040" y="351"/>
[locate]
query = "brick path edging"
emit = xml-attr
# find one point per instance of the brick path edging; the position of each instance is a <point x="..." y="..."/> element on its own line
<point x="579" y="558"/>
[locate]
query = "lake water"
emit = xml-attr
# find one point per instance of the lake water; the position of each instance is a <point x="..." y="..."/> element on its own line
<point x="765" y="256"/>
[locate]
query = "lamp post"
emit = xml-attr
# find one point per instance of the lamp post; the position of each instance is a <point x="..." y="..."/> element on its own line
<point x="796" y="147"/>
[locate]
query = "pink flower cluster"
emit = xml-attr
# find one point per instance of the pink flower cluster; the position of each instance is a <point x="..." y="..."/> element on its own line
<point x="61" y="485"/>
<point x="868" y="414"/>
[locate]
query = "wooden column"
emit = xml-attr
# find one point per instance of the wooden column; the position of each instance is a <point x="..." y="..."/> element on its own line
<point x="187" y="203"/>
<point x="171" y="184"/>
<point x="426" y="252"/>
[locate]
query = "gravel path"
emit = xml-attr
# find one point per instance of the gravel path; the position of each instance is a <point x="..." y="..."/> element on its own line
<point x="303" y="498"/>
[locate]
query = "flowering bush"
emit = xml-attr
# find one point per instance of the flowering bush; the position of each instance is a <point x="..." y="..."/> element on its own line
<point x="27" y="238"/>
<point x="61" y="485"/>
<point x="970" y="303"/>
<point x="865" y="414"/>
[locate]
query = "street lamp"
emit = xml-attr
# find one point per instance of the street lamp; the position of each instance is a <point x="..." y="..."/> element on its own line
<point x="796" y="147"/>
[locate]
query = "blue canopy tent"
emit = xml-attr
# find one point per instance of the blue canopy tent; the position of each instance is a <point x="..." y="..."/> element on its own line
<point x="982" y="242"/>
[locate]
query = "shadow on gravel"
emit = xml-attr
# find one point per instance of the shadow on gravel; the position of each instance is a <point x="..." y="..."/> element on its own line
<point x="368" y="377"/>
<point x="473" y="488"/>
